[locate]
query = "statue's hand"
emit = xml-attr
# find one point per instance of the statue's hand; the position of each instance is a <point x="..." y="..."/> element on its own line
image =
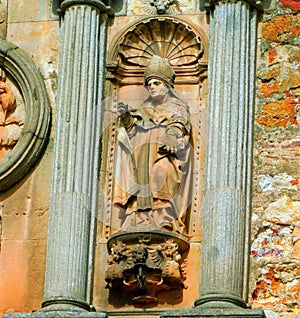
<point x="173" y="142"/>
<point x="122" y="109"/>
<point x="125" y="116"/>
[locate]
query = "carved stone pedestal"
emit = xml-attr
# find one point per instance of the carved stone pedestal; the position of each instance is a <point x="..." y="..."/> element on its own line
<point x="215" y="312"/>
<point x="145" y="266"/>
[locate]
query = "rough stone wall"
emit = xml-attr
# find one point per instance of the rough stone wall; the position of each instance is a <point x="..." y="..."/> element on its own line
<point x="24" y="208"/>
<point x="275" y="251"/>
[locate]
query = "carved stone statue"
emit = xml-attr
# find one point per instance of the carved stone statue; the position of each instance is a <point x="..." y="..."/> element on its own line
<point x="10" y="125"/>
<point x="153" y="164"/>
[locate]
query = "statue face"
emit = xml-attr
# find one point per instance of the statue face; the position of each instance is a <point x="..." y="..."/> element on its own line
<point x="161" y="6"/>
<point x="140" y="255"/>
<point x="157" y="89"/>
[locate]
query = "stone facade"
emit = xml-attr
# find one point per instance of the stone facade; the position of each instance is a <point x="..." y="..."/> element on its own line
<point x="274" y="283"/>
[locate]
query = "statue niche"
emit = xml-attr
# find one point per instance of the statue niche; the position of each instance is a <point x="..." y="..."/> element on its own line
<point x="150" y="160"/>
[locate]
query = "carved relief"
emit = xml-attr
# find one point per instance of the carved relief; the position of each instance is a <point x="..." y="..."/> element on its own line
<point x="10" y="122"/>
<point x="166" y="38"/>
<point x="161" y="6"/>
<point x="183" y="48"/>
<point x="153" y="7"/>
<point x="152" y="148"/>
<point x="140" y="270"/>
<point x="24" y="114"/>
<point x="153" y="164"/>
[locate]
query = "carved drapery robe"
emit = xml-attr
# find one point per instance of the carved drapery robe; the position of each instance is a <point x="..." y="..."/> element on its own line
<point x="152" y="183"/>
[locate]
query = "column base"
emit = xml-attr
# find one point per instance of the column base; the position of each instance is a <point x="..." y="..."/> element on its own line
<point x="57" y="314"/>
<point x="59" y="311"/>
<point x="215" y="312"/>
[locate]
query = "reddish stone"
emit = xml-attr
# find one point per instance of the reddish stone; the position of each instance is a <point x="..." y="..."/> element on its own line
<point x="272" y="55"/>
<point x="278" y="284"/>
<point x="278" y="114"/>
<point x="278" y="79"/>
<point x="294" y="182"/>
<point x="282" y="27"/>
<point x="292" y="4"/>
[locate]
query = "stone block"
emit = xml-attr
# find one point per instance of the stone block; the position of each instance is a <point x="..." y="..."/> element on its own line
<point x="283" y="211"/>
<point x="272" y="244"/>
<point x="28" y="10"/>
<point x="279" y="78"/>
<point x="277" y="183"/>
<point x="292" y="4"/>
<point x="282" y="29"/>
<point x="278" y="286"/>
<point x="21" y="275"/>
<point x="40" y="40"/>
<point x="282" y="54"/>
<point x="278" y="114"/>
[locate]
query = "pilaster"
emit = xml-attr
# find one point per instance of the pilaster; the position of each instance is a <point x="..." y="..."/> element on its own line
<point x="226" y="207"/>
<point x="229" y="145"/>
<point x="76" y="154"/>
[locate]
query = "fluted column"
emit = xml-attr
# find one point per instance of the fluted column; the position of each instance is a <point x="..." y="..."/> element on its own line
<point x="76" y="153"/>
<point x="228" y="159"/>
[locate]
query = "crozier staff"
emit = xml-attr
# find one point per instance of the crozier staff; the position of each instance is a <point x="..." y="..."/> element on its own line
<point x="153" y="166"/>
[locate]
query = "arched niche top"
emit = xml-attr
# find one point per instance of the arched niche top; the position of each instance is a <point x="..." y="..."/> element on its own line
<point x="167" y="37"/>
<point x="27" y="79"/>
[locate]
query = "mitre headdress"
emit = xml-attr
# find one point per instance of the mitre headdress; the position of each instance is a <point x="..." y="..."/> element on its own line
<point x="159" y="67"/>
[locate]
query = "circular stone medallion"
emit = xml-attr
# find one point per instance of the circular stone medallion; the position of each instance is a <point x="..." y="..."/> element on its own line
<point x="24" y="114"/>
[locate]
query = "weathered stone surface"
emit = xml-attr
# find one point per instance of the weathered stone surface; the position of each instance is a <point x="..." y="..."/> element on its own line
<point x="229" y="142"/>
<point x="74" y="188"/>
<point x="278" y="284"/>
<point x="283" y="211"/>
<point x="270" y="314"/>
<point x="3" y="18"/>
<point x="215" y="312"/>
<point x="292" y="4"/>
<point x="282" y="29"/>
<point x="143" y="7"/>
<point x="19" y="12"/>
<point x="58" y="314"/>
<point x="279" y="78"/>
<point x="22" y="274"/>
<point x="279" y="182"/>
<point x="278" y="114"/>
<point x="274" y="242"/>
<point x="282" y="54"/>
<point x="42" y="47"/>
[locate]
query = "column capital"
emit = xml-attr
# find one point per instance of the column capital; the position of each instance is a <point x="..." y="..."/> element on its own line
<point x="210" y="4"/>
<point x="64" y="4"/>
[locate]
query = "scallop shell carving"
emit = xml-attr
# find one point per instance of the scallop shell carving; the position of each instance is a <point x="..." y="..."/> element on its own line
<point x="163" y="37"/>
